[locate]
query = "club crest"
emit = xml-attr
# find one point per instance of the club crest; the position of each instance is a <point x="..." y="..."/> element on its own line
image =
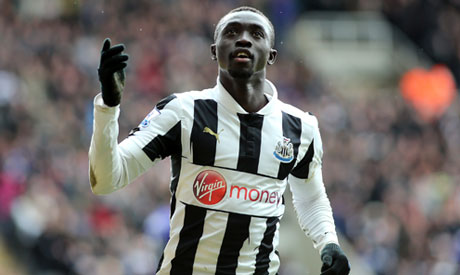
<point x="284" y="150"/>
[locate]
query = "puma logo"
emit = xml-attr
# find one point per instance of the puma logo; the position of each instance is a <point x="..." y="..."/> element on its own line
<point x="212" y="133"/>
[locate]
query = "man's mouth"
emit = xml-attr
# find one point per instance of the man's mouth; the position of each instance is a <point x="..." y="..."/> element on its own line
<point x="242" y="56"/>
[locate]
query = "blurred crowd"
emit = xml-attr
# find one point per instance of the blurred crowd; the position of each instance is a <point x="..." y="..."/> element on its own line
<point x="393" y="179"/>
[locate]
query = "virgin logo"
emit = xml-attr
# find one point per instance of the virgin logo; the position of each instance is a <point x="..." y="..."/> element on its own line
<point x="209" y="187"/>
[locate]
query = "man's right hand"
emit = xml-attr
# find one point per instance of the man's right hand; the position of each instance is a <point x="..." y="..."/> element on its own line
<point x="111" y="72"/>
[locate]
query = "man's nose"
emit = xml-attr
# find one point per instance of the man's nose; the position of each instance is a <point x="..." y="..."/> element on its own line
<point x="244" y="40"/>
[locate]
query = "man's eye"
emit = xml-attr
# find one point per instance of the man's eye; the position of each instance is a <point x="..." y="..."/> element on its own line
<point x="230" y="32"/>
<point x="258" y="34"/>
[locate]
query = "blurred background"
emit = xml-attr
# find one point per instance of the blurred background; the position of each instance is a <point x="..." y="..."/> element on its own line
<point x="379" y="75"/>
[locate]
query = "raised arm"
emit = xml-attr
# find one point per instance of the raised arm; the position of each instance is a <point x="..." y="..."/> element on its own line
<point x="106" y="160"/>
<point x="112" y="165"/>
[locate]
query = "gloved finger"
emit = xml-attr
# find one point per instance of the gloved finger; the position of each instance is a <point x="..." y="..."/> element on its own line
<point x="106" y="44"/>
<point x="345" y="270"/>
<point x="112" y="51"/>
<point x="325" y="267"/>
<point x="341" y="261"/>
<point x="113" y="60"/>
<point x="327" y="259"/>
<point x="117" y="67"/>
<point x="343" y="266"/>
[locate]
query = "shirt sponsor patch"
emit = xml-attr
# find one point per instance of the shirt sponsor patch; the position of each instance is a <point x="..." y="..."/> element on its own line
<point x="209" y="187"/>
<point x="255" y="195"/>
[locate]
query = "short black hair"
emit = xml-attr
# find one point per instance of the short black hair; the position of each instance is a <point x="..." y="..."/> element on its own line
<point x="251" y="9"/>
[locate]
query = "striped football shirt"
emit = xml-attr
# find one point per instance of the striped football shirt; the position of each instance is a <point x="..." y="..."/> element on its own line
<point x="229" y="173"/>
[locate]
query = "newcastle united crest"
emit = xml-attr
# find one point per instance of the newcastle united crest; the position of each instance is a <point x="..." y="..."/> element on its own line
<point x="284" y="150"/>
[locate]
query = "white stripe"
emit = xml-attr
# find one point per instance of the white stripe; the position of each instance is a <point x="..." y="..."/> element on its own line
<point x="249" y="251"/>
<point x="268" y="164"/>
<point x="177" y="223"/>
<point x="227" y="148"/>
<point x="208" y="248"/>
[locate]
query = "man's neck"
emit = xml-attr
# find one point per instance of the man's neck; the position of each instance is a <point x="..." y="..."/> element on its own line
<point x="248" y="92"/>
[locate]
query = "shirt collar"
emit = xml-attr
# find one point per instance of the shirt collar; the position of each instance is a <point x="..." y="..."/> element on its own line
<point x="228" y="102"/>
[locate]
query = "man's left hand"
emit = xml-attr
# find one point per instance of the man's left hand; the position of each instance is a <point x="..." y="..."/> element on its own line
<point x="334" y="261"/>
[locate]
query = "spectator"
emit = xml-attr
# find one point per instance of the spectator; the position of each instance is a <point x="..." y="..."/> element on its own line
<point x="392" y="179"/>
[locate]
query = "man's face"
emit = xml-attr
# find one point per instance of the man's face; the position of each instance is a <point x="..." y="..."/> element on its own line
<point x="243" y="45"/>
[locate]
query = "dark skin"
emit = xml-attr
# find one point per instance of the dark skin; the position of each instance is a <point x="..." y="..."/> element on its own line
<point x="243" y="75"/>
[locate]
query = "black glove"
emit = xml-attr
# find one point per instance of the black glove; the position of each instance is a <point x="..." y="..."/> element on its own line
<point x="111" y="72"/>
<point x="334" y="261"/>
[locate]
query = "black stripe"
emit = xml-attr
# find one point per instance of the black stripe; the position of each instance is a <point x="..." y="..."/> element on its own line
<point x="266" y="247"/>
<point x="163" y="146"/>
<point x="173" y="205"/>
<point x="204" y="143"/>
<point x="189" y="237"/>
<point x="176" y="161"/>
<point x="303" y="167"/>
<point x="250" y="140"/>
<point x="292" y="129"/>
<point x="162" y="103"/>
<point x="236" y="232"/>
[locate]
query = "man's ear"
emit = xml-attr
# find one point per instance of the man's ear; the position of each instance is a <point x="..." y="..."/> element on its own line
<point x="213" y="52"/>
<point x="272" y="57"/>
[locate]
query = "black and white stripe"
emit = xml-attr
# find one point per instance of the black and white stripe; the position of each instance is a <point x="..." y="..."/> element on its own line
<point x="193" y="251"/>
<point x="207" y="130"/>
